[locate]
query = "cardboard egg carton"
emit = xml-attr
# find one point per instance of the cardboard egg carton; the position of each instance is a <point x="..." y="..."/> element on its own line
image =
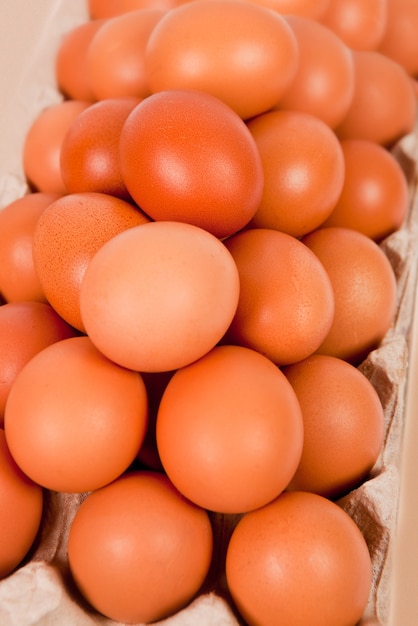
<point x="40" y="592"/>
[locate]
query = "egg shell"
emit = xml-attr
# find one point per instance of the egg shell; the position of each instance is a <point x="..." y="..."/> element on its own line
<point x="74" y="420"/>
<point x="188" y="50"/>
<point x="364" y="287"/>
<point x="18" y="277"/>
<point x="42" y="145"/>
<point x="159" y="296"/>
<point x="26" y="328"/>
<point x="21" y="503"/>
<point x="299" y="560"/>
<point x="286" y="301"/>
<point x="229" y="430"/>
<point x="343" y="425"/>
<point x="157" y="548"/>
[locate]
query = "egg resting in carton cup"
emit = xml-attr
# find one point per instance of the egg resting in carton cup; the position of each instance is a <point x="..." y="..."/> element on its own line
<point x="41" y="592"/>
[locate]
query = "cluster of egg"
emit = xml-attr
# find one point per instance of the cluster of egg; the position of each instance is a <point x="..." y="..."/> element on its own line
<point x="189" y="287"/>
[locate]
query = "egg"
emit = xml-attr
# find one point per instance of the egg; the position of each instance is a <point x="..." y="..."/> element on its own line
<point x="399" y="41"/>
<point x="74" y="421"/>
<point x="21" y="503"/>
<point x="286" y="301"/>
<point x="26" y="328"/>
<point x="229" y="430"/>
<point x="115" y="59"/>
<point x="361" y="25"/>
<point x="248" y="63"/>
<point x="89" y="158"/>
<point x="343" y="425"/>
<point x="138" y="551"/>
<point x="42" y="145"/>
<point x="384" y="104"/>
<point x="323" y="84"/>
<point x="299" y="560"/>
<point x="364" y="287"/>
<point x="375" y="196"/>
<point x="67" y="235"/>
<point x="304" y="171"/>
<point x="159" y="296"/>
<point x="187" y="156"/>
<point x="19" y="280"/>
<point x="70" y="61"/>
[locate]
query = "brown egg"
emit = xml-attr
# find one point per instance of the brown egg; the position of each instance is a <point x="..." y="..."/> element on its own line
<point x="343" y="425"/>
<point x="115" y="63"/>
<point x="229" y="430"/>
<point x="299" y="560"/>
<point x="286" y="302"/>
<point x="70" y="61"/>
<point x="21" y="502"/>
<point x="324" y="81"/>
<point x="74" y="420"/>
<point x="248" y="64"/>
<point x="364" y="287"/>
<point x="42" y="146"/>
<point x="157" y="547"/>
<point x="25" y="329"/>
<point x="361" y="25"/>
<point x="384" y="105"/>
<point x="90" y="150"/>
<point x="67" y="235"/>
<point x="375" y="197"/>
<point x="400" y="41"/>
<point x="18" y="278"/>
<point x="303" y="168"/>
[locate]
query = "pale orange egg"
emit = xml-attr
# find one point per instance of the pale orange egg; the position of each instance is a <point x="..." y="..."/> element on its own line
<point x="158" y="548"/>
<point x="18" y="277"/>
<point x="229" y="430"/>
<point x="299" y="560"/>
<point x="364" y="287"/>
<point x="74" y="420"/>
<point x="286" y="302"/>
<point x="159" y="296"/>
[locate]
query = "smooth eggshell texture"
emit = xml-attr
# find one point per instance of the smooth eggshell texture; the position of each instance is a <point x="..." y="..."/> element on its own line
<point x="115" y="60"/>
<point x="138" y="550"/>
<point x="324" y="81"/>
<point x="299" y="560"/>
<point x="384" y="104"/>
<point x="286" y="302"/>
<point x="229" y="430"/>
<point x="343" y="425"/>
<point x="159" y="296"/>
<point x="74" y="420"/>
<point x="26" y="328"/>
<point x="21" y="503"/>
<point x="18" y="277"/>
<point x="248" y="63"/>
<point x="364" y="287"/>
<point x="70" y="61"/>
<point x="361" y="25"/>
<point x="197" y="160"/>
<point x="303" y="168"/>
<point x="375" y="196"/>
<point x="89" y="157"/>
<point x="399" y="41"/>
<point x="42" y="146"/>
